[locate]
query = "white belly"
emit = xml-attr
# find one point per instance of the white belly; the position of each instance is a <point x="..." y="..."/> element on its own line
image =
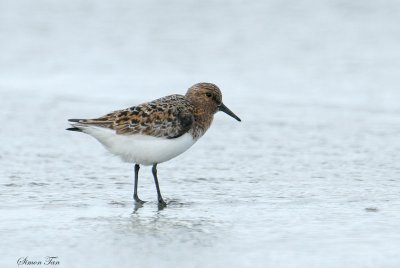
<point x="141" y="149"/>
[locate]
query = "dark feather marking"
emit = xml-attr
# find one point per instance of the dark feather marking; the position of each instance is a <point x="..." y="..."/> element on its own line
<point x="74" y="129"/>
<point x="186" y="120"/>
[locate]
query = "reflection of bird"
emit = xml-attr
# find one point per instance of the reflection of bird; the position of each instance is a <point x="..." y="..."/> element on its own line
<point x="156" y="131"/>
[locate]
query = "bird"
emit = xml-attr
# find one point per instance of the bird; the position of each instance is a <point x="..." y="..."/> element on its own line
<point x="154" y="132"/>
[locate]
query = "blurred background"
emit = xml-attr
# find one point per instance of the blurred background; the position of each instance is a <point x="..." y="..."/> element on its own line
<point x="310" y="178"/>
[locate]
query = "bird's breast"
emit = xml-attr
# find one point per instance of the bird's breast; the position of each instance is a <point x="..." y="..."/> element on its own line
<point x="142" y="149"/>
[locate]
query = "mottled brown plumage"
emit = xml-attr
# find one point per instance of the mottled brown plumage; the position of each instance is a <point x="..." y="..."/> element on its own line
<point x="168" y="117"/>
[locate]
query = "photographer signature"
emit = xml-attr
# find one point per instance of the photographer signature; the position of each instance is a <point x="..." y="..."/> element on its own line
<point x="47" y="261"/>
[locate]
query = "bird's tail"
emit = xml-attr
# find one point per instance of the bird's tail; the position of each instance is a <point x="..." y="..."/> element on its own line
<point x="74" y="129"/>
<point x="75" y="123"/>
<point x="81" y="124"/>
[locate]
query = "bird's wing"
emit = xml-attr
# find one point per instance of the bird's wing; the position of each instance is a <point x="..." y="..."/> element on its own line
<point x="168" y="117"/>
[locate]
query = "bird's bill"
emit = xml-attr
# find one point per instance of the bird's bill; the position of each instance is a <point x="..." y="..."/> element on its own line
<point x="226" y="110"/>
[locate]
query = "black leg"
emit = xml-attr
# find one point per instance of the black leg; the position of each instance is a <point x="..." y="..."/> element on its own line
<point x="160" y="199"/>
<point x="135" y="195"/>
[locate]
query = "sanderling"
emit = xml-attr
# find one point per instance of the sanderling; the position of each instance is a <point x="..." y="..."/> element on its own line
<point x="156" y="131"/>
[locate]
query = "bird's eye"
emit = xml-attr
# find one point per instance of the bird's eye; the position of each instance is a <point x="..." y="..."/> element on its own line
<point x="208" y="94"/>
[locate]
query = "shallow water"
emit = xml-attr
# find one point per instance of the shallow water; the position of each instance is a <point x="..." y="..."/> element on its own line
<point x="310" y="178"/>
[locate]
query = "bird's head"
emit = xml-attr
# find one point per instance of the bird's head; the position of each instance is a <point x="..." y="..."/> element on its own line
<point x="209" y="96"/>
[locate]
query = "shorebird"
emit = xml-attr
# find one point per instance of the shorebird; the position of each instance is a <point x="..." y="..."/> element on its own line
<point x="157" y="131"/>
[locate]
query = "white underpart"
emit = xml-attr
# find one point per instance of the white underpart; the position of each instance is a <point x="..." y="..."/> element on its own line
<point x="140" y="149"/>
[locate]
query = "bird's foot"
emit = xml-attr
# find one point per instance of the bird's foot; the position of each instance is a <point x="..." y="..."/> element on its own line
<point x="138" y="200"/>
<point x="161" y="203"/>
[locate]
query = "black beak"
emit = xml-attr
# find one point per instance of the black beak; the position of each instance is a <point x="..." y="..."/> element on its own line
<point x="226" y="110"/>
